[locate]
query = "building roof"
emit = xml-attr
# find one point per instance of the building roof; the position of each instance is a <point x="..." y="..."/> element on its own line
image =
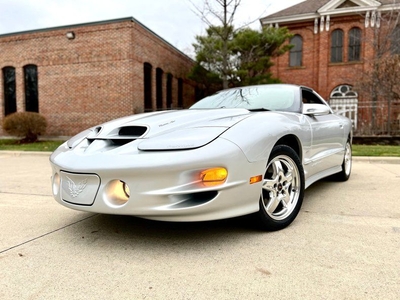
<point x="310" y="9"/>
<point x="126" y="19"/>
<point x="305" y="7"/>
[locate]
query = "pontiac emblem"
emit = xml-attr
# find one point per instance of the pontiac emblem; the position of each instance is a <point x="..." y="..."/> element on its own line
<point x="76" y="189"/>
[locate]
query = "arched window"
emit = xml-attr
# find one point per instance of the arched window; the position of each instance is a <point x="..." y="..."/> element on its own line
<point x="10" y="100"/>
<point x="395" y="41"/>
<point x="354" y="44"/>
<point x="148" y="102"/>
<point x="31" y="88"/>
<point x="169" y="90"/>
<point x="180" y="92"/>
<point x="296" y="53"/>
<point x="337" y="46"/>
<point x="159" y="88"/>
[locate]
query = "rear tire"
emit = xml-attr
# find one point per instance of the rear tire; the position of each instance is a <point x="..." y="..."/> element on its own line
<point x="282" y="189"/>
<point x="344" y="174"/>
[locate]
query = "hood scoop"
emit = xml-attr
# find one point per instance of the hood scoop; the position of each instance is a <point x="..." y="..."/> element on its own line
<point x="132" y="131"/>
<point x="120" y="136"/>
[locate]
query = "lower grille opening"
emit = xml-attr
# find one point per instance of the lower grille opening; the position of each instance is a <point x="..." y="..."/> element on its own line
<point x="194" y="199"/>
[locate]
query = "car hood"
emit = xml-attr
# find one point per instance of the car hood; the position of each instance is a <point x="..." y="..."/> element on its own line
<point x="168" y="130"/>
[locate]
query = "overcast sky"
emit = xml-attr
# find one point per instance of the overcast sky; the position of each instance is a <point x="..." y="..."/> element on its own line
<point x="173" y="20"/>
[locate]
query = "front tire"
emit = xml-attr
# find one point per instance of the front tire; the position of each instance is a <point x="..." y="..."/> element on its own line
<point x="282" y="189"/>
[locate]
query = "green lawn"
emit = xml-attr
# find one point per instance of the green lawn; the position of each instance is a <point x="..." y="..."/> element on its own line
<point x="12" y="145"/>
<point x="376" y="150"/>
<point x="358" y="150"/>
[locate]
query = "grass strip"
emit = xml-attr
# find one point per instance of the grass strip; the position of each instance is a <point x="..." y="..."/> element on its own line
<point x="358" y="150"/>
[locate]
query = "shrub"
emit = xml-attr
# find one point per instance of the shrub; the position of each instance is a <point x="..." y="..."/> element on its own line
<point x="28" y="125"/>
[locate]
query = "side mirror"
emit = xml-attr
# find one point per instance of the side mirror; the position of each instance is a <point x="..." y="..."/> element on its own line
<point x="315" y="109"/>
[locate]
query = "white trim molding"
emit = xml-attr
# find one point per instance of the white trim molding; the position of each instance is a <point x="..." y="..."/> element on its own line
<point x="327" y="22"/>
<point x="334" y="4"/>
<point x="315" y="25"/>
<point x="322" y="18"/>
<point x="321" y="28"/>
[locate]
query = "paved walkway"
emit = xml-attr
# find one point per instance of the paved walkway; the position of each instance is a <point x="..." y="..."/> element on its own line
<point x="345" y="244"/>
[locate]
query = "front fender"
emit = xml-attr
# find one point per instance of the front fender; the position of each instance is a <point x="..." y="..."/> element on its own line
<point x="257" y="135"/>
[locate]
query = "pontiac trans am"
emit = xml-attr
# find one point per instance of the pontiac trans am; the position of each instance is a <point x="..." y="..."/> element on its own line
<point x="248" y="150"/>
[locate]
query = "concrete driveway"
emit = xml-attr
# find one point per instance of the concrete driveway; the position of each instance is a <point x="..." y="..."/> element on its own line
<point x="345" y="244"/>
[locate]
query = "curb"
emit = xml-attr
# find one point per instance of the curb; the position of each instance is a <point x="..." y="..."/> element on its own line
<point x="377" y="159"/>
<point x="25" y="153"/>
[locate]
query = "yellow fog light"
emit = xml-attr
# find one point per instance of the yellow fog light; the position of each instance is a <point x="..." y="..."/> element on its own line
<point x="255" y="179"/>
<point x="214" y="176"/>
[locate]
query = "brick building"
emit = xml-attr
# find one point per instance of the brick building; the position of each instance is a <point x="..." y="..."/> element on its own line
<point x="335" y="46"/>
<point x="81" y="75"/>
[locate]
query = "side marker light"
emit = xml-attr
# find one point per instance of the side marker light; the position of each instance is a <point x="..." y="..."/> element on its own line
<point x="255" y="179"/>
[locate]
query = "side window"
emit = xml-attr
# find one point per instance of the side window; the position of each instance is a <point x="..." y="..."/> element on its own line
<point x="310" y="97"/>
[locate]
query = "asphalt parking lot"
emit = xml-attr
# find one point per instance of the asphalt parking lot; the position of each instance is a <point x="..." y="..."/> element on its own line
<point x="345" y="244"/>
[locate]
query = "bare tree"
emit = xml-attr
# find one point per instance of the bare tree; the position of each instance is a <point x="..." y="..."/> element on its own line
<point x="224" y="12"/>
<point x="381" y="78"/>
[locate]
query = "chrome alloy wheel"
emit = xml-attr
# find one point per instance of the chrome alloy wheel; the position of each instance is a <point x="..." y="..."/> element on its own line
<point x="281" y="187"/>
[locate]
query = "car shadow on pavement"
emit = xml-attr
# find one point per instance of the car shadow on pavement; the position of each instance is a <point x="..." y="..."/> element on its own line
<point x="120" y="229"/>
<point x="124" y="230"/>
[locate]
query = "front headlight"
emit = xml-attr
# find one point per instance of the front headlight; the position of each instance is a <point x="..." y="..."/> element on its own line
<point x="74" y="141"/>
<point x="184" y="139"/>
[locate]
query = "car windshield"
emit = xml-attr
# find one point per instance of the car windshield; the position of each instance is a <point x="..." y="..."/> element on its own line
<point x="267" y="97"/>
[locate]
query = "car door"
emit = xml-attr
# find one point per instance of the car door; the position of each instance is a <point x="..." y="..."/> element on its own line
<point x="326" y="149"/>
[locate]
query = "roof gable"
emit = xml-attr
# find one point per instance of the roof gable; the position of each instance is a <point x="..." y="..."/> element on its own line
<point x="337" y="6"/>
<point x="311" y="9"/>
<point x="347" y="3"/>
<point x="304" y="7"/>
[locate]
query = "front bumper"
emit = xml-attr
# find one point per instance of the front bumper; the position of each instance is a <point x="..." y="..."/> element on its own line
<point x="159" y="185"/>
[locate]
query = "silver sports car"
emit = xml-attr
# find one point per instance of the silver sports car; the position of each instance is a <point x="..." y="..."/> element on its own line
<point x="249" y="150"/>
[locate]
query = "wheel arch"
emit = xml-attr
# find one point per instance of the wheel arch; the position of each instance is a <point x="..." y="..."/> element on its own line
<point x="293" y="142"/>
<point x="350" y="137"/>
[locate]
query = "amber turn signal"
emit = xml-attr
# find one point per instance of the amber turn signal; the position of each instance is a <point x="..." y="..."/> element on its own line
<point x="214" y="176"/>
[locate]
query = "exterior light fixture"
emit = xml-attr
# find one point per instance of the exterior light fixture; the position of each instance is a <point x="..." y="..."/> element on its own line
<point x="70" y="35"/>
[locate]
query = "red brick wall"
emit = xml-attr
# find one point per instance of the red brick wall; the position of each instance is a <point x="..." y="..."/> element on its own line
<point x="95" y="77"/>
<point x="303" y="75"/>
<point x="317" y="71"/>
